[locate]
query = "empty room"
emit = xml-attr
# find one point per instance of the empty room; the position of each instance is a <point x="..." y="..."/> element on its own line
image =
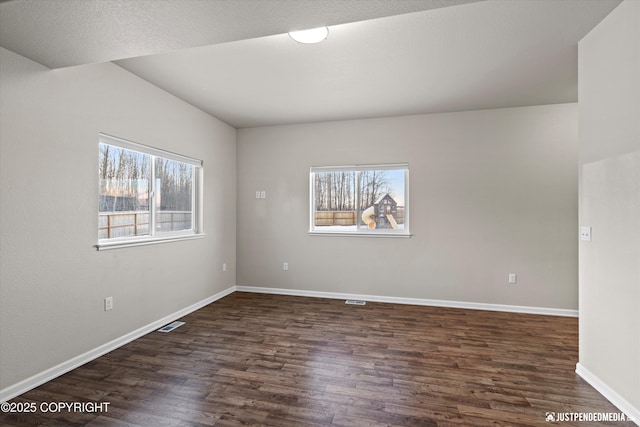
<point x="319" y="212"/>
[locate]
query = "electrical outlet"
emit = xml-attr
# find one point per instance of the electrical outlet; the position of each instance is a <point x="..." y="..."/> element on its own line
<point x="513" y="278"/>
<point x="108" y="303"/>
<point x="257" y="194"/>
<point x="285" y="266"/>
<point x="263" y="194"/>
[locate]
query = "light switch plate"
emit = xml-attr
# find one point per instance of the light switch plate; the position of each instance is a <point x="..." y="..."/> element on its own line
<point x="585" y="234"/>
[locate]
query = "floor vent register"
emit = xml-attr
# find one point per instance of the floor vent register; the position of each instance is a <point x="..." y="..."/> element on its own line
<point x="171" y="326"/>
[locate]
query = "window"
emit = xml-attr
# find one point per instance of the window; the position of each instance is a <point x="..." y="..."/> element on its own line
<point x="360" y="200"/>
<point x="145" y="195"/>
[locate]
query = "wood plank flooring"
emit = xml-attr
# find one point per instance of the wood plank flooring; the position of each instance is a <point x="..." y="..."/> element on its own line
<point x="256" y="359"/>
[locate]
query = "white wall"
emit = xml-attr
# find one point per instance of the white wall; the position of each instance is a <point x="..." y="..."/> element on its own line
<point x="492" y="192"/>
<point x="609" y="275"/>
<point x="53" y="281"/>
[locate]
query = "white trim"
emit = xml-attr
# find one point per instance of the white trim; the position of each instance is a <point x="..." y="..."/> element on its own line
<point x="145" y="149"/>
<point x="357" y="234"/>
<point x="64" y="367"/>
<point x="51" y="373"/>
<point x="317" y="230"/>
<point x="105" y="244"/>
<point x="341" y="168"/>
<point x="155" y="236"/>
<point x="415" y="301"/>
<point x="610" y="394"/>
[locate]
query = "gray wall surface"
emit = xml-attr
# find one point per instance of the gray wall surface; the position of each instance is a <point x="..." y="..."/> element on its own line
<point x="491" y="192"/>
<point x="609" y="274"/>
<point x="53" y="281"/>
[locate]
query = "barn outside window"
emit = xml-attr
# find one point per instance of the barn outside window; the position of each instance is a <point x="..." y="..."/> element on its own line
<point x="363" y="200"/>
<point x="145" y="195"/>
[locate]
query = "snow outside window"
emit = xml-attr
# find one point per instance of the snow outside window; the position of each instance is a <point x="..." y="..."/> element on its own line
<point x="360" y="200"/>
<point x="145" y="195"/>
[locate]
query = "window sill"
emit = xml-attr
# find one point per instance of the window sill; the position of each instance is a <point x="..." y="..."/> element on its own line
<point x="359" y="234"/>
<point x="106" y="245"/>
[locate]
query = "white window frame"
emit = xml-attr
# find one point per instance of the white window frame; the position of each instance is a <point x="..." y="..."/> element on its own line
<point x="318" y="230"/>
<point x="154" y="235"/>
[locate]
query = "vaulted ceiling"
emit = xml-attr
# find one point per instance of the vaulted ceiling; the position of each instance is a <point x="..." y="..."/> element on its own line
<point x="234" y="60"/>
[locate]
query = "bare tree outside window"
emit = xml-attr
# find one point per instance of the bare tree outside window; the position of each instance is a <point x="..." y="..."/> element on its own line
<point x="124" y="177"/>
<point x="144" y="192"/>
<point x="360" y="199"/>
<point x="174" y="181"/>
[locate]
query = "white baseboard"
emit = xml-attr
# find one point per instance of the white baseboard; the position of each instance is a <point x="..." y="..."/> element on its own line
<point x="613" y="397"/>
<point x="51" y="373"/>
<point x="414" y="301"/>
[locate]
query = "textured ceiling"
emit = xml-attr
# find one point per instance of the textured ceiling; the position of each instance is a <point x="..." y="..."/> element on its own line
<point x="61" y="33"/>
<point x="382" y="58"/>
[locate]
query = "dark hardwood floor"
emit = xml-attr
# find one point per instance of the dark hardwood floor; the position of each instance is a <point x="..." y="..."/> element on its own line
<point x="255" y="359"/>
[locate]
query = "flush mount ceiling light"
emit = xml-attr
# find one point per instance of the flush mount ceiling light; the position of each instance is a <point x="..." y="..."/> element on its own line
<point x="314" y="35"/>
